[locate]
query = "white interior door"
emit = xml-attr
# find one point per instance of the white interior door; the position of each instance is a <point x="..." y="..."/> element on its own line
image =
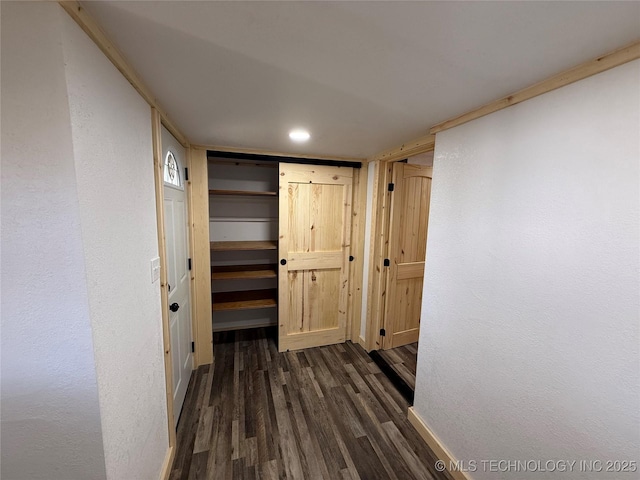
<point x="175" y="226"/>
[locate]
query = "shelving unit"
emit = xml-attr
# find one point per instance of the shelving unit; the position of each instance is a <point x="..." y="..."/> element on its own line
<point x="243" y="231"/>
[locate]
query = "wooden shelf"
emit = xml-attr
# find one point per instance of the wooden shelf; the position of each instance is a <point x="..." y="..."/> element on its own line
<point x="243" y="245"/>
<point x="243" y="272"/>
<point x="243" y="193"/>
<point x="246" y="300"/>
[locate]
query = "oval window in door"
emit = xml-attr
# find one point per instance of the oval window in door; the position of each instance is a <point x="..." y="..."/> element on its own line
<point x="171" y="170"/>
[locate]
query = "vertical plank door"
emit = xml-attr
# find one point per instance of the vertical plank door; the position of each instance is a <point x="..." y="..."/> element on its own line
<point x="407" y="252"/>
<point x="314" y="248"/>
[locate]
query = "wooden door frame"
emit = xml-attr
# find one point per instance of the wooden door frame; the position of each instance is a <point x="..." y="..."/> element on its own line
<point x="199" y="224"/>
<point x="198" y="198"/>
<point x="198" y="213"/>
<point x="379" y="236"/>
<point x="356" y="270"/>
<point x="158" y="167"/>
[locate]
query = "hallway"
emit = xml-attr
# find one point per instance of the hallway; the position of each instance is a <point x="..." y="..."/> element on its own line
<point x="324" y="412"/>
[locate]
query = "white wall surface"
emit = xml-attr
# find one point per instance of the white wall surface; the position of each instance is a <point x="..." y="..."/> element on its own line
<point x="50" y="412"/>
<point x="246" y="217"/>
<point x="529" y="345"/>
<point x="83" y="390"/>
<point x="111" y="127"/>
<point x="425" y="159"/>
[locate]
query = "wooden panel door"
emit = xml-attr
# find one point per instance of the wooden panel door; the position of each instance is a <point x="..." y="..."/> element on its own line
<point x="407" y="252"/>
<point x="314" y="248"/>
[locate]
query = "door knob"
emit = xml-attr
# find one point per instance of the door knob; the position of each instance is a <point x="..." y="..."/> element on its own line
<point x="174" y="307"/>
<point x="283" y="262"/>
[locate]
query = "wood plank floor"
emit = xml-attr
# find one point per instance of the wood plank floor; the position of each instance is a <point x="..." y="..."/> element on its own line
<point x="320" y="413"/>
<point x="404" y="361"/>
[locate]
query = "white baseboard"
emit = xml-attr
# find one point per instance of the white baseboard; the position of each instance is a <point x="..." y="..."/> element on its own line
<point x="434" y="444"/>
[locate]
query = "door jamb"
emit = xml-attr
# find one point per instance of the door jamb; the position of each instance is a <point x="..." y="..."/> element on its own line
<point x="379" y="242"/>
<point x="198" y="200"/>
<point x="356" y="284"/>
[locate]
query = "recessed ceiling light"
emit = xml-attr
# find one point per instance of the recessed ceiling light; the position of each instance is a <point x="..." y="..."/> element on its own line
<point x="299" y="135"/>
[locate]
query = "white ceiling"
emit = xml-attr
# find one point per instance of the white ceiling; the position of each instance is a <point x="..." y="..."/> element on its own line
<point x="361" y="76"/>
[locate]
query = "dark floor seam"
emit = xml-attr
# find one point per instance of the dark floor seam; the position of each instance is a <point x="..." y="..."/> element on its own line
<point x="397" y="381"/>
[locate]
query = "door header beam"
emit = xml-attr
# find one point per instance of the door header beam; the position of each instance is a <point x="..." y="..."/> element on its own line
<point x="220" y="154"/>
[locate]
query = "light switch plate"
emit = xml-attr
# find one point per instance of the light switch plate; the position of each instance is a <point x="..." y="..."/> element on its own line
<point x="155" y="269"/>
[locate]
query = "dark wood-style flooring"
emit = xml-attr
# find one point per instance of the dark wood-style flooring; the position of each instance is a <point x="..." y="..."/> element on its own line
<point x="319" y="413"/>
<point x="404" y="361"/>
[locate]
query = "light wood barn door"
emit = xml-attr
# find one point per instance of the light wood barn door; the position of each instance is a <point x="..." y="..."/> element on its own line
<point x="314" y="249"/>
<point x="407" y="252"/>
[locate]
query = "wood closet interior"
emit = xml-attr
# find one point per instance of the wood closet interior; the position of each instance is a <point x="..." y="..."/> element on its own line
<point x="243" y="231"/>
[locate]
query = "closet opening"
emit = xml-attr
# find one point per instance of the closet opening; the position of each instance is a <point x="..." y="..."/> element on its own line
<point x="280" y="247"/>
<point x="243" y="234"/>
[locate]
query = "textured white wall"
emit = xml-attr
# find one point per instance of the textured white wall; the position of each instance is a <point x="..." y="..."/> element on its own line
<point x="111" y="127"/>
<point x="529" y="340"/>
<point x="50" y="411"/>
<point x="83" y="391"/>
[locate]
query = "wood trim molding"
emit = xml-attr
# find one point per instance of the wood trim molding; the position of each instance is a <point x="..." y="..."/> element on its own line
<point x="95" y="32"/>
<point x="372" y="280"/>
<point x="579" y="72"/>
<point x="193" y="279"/>
<point x="359" y="205"/>
<point x="257" y="151"/>
<point x="378" y="249"/>
<point x="417" y="146"/>
<point x="201" y="273"/>
<point x="434" y="444"/>
<point x="167" y="464"/>
<point x="426" y="143"/>
<point x="158" y="164"/>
